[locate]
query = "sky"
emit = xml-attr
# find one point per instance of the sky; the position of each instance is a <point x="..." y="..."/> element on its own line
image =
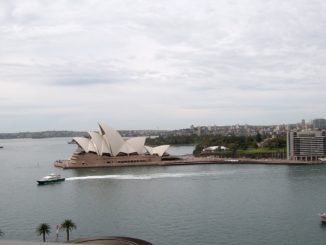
<point x="160" y="64"/>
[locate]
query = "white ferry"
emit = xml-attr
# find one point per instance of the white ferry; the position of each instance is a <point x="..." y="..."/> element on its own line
<point x="51" y="178"/>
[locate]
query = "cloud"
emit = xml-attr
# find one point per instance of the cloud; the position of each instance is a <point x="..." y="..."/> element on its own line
<point x="83" y="81"/>
<point x="166" y="63"/>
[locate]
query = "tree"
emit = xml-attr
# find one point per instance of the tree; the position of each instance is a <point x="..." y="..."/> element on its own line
<point x="198" y="149"/>
<point x="258" y="138"/>
<point x="43" y="229"/>
<point x="234" y="148"/>
<point x="278" y="142"/>
<point x="68" y="225"/>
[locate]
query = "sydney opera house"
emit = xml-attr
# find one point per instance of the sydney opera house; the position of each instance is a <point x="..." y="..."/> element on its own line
<point x="107" y="147"/>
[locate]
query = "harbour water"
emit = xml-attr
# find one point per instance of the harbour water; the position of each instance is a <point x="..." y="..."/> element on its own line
<point x="199" y="204"/>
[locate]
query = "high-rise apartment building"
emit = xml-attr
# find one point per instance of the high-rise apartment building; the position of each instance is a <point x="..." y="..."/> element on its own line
<point x="306" y="145"/>
<point x="319" y="123"/>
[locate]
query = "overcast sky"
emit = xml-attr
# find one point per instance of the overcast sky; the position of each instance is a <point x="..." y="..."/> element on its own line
<point x="160" y="64"/>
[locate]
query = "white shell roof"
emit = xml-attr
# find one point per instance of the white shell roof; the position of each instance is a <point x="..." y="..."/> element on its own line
<point x="85" y="143"/>
<point x="137" y="143"/>
<point x="113" y="138"/>
<point x="149" y="149"/>
<point x="109" y="141"/>
<point x="100" y="143"/>
<point x="127" y="149"/>
<point x="158" y="150"/>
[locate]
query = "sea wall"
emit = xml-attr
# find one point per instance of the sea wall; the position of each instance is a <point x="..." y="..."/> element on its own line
<point x="156" y="161"/>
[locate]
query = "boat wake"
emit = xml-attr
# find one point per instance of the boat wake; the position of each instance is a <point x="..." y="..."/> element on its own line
<point x="147" y="176"/>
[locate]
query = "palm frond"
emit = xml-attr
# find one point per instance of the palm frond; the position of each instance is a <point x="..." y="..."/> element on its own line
<point x="43" y="228"/>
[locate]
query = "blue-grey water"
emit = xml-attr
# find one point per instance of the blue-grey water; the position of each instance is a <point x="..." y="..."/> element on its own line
<point x="200" y="204"/>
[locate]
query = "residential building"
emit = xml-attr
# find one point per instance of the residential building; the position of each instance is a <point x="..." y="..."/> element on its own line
<point x="306" y="145"/>
<point x="319" y="123"/>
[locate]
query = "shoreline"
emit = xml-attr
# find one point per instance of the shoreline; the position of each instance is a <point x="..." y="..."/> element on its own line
<point x="70" y="164"/>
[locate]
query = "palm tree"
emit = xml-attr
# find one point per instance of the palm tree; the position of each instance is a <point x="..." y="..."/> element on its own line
<point x="68" y="225"/>
<point x="43" y="229"/>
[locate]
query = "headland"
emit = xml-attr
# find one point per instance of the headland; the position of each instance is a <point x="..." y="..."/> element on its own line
<point x="107" y="148"/>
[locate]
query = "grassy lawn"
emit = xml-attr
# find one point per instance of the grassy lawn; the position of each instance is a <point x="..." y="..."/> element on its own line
<point x="260" y="151"/>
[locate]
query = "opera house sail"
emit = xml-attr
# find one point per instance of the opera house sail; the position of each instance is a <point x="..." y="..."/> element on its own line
<point x="106" y="147"/>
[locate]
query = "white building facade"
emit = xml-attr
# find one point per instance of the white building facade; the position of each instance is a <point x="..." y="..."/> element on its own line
<point x="306" y="145"/>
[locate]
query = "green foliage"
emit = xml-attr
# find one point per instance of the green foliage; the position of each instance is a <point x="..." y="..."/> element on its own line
<point x="42" y="230"/>
<point x="276" y="143"/>
<point x="173" y="140"/>
<point x="232" y="142"/>
<point x="206" y="140"/>
<point x="241" y="145"/>
<point x="237" y="145"/>
<point x="68" y="225"/>
<point x="259" y="138"/>
<point x="258" y="151"/>
<point x="198" y="149"/>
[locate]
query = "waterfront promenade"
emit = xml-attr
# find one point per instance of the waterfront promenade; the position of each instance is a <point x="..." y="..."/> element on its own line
<point x="184" y="160"/>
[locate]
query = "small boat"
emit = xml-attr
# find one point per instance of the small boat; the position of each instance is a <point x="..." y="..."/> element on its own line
<point x="323" y="217"/>
<point x="51" y="178"/>
<point x="231" y="160"/>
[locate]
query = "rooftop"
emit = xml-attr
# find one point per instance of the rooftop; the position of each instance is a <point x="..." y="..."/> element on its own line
<point x="107" y="240"/>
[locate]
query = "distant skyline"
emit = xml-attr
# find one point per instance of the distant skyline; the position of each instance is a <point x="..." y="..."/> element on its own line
<point x="65" y="65"/>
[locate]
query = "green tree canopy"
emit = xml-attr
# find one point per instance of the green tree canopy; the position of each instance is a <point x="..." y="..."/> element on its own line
<point x="43" y="229"/>
<point x="68" y="225"/>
